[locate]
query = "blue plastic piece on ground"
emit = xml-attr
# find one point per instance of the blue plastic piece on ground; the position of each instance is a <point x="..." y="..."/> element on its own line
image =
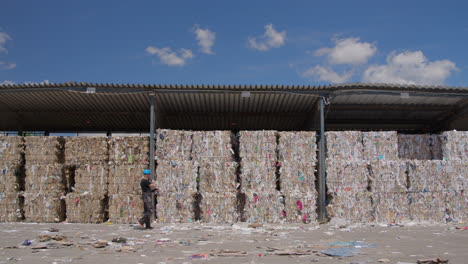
<point x="341" y="252"/>
<point x="351" y="244"/>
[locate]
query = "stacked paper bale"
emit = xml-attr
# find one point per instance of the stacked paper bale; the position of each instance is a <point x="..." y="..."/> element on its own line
<point x="263" y="202"/>
<point x="87" y="158"/>
<point x="380" y="145"/>
<point x="11" y="177"/>
<point x="177" y="183"/>
<point x="456" y="199"/>
<point x="297" y="155"/>
<point x="455" y="145"/>
<point x="419" y="147"/>
<point x="173" y="145"/>
<point x="128" y="157"/>
<point x="44" y="182"/>
<point x="217" y="176"/>
<point x="347" y="177"/>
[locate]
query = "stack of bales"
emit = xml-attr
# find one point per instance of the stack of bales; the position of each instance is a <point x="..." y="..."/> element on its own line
<point x="11" y="149"/>
<point x="347" y="177"/>
<point x="419" y="147"/>
<point x="455" y="152"/>
<point x="297" y="156"/>
<point x="45" y="181"/>
<point x="128" y="157"/>
<point x="263" y="201"/>
<point x="86" y="160"/>
<point x="217" y="176"/>
<point x="176" y="177"/>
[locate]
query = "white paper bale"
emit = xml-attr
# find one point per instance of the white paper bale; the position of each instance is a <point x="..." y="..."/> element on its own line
<point x="427" y="175"/>
<point x="219" y="207"/>
<point x="258" y="145"/>
<point x="455" y="145"/>
<point x="264" y="207"/>
<point x="125" y="208"/>
<point x="176" y="208"/>
<point x="457" y="175"/>
<point x="297" y="146"/>
<point x="419" y="147"/>
<point x="91" y="179"/>
<point x="45" y="178"/>
<point x="125" y="179"/>
<point x="456" y="203"/>
<point x="380" y="145"/>
<point x="218" y="177"/>
<point x="258" y="175"/>
<point x="44" y="207"/>
<point x="301" y="207"/>
<point x="428" y="207"/>
<point x="173" y="145"/>
<point x="177" y="176"/>
<point x="344" y="145"/>
<point x="129" y="150"/>
<point x="388" y="176"/>
<point x="44" y="150"/>
<point x="391" y="208"/>
<point x="11" y="148"/>
<point x="10" y="175"/>
<point x="297" y="177"/>
<point x="88" y="208"/>
<point x="353" y="205"/>
<point x="86" y="150"/>
<point x="212" y="146"/>
<point x="10" y="208"/>
<point x="342" y="173"/>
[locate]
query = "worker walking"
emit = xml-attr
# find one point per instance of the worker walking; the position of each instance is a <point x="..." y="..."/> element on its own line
<point x="147" y="188"/>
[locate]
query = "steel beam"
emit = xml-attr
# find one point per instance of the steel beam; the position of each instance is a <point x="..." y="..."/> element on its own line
<point x="322" y="213"/>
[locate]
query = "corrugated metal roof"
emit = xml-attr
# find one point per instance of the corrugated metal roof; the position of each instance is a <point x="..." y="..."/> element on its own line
<point x="125" y="107"/>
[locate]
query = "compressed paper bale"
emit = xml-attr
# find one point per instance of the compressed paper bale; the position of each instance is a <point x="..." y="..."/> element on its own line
<point x="258" y="144"/>
<point x="218" y="177"/>
<point x="297" y="146"/>
<point x="219" y="207"/>
<point x="212" y="146"/>
<point x="301" y="207"/>
<point x="354" y="206"/>
<point x="428" y="207"/>
<point x="125" y="179"/>
<point x="457" y="175"/>
<point x="44" y="178"/>
<point x="87" y="208"/>
<point x="380" y="145"/>
<point x="44" y="150"/>
<point x="456" y="203"/>
<point x="297" y="177"/>
<point x="264" y="207"/>
<point x="388" y="176"/>
<point x="10" y="177"/>
<point x="11" y="148"/>
<point x="391" y="207"/>
<point x="257" y="175"/>
<point x="91" y="179"/>
<point x="173" y="145"/>
<point x="125" y="208"/>
<point x="344" y="145"/>
<point x="427" y="175"/>
<point x="419" y="147"/>
<point x="129" y="150"/>
<point x="10" y="208"/>
<point x="176" y="208"/>
<point x="86" y="150"/>
<point x="44" y="207"/>
<point x="455" y="145"/>
<point x="177" y="176"/>
<point x="343" y="172"/>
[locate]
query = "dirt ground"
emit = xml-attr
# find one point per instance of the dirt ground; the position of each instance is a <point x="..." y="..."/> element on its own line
<point x="238" y="243"/>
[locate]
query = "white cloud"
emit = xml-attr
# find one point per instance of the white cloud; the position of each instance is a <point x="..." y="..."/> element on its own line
<point x="6" y="82"/>
<point x="169" y="57"/>
<point x="4" y="37"/>
<point x="205" y="39"/>
<point x="348" y="51"/>
<point x="43" y="82"/>
<point x="270" y="39"/>
<point x="7" y="65"/>
<point x="410" y="68"/>
<point x="327" y="74"/>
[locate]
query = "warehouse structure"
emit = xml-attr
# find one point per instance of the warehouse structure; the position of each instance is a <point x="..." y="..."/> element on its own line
<point x="73" y="107"/>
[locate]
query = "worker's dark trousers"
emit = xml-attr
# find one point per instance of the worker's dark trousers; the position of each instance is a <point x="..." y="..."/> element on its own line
<point x="148" y="208"/>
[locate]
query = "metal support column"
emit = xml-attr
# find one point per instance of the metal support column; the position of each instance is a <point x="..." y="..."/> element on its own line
<point x="322" y="214"/>
<point x="152" y="125"/>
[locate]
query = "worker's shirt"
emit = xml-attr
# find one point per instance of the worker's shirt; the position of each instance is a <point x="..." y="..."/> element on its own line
<point x="145" y="185"/>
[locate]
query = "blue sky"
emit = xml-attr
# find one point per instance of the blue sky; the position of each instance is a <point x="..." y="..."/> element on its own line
<point x="234" y="42"/>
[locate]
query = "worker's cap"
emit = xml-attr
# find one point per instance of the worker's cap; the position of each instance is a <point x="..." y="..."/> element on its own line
<point x="147" y="172"/>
